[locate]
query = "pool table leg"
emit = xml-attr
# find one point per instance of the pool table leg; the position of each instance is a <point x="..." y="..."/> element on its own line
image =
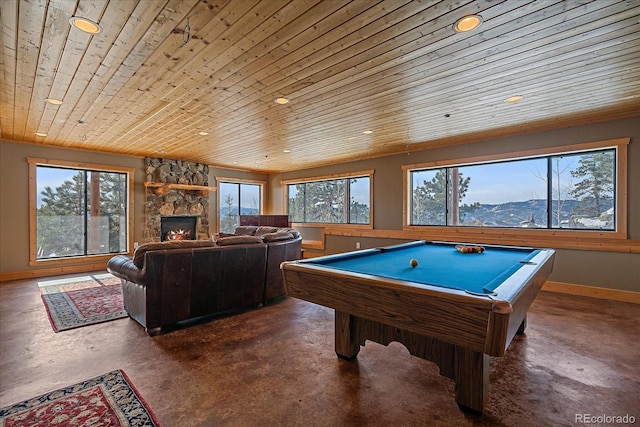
<point x="471" y="377"/>
<point x="523" y="326"/>
<point x="467" y="368"/>
<point x="347" y="345"/>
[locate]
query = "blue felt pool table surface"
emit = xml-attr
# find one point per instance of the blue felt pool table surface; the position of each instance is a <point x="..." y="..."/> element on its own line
<point x="439" y="264"/>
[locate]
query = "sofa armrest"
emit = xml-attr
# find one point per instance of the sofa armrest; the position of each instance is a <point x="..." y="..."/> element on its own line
<point x="123" y="267"/>
<point x="279" y="251"/>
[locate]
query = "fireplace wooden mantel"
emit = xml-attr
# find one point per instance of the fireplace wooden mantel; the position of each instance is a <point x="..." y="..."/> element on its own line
<point x="163" y="187"/>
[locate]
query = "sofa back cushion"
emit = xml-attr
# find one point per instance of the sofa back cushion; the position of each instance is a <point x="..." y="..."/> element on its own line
<point x="262" y="230"/>
<point x="238" y="240"/>
<point x="252" y="230"/>
<point x="138" y="254"/>
<point x="277" y="236"/>
<point x="294" y="233"/>
<point x="246" y="230"/>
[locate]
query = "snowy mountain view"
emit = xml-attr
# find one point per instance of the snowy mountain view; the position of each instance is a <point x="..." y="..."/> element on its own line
<point x="533" y="214"/>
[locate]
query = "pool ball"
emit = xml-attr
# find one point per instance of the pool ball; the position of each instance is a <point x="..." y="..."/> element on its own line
<point x="413" y="263"/>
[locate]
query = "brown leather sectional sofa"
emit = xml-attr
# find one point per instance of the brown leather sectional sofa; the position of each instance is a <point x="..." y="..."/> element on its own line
<point x="168" y="282"/>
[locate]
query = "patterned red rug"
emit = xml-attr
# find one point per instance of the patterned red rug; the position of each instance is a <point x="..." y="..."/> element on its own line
<point x="107" y="400"/>
<point x="82" y="301"/>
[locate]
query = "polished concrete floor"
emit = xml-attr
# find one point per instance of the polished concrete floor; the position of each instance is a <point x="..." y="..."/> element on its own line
<point x="275" y="366"/>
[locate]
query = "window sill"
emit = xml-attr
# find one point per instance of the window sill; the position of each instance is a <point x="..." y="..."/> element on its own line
<point x="556" y="239"/>
<point x="332" y="226"/>
<point x="77" y="260"/>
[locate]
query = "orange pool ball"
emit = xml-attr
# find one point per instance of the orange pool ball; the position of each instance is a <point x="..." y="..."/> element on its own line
<point x="413" y="263"/>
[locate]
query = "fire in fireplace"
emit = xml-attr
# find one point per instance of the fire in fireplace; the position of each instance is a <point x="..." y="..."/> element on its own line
<point x="178" y="227"/>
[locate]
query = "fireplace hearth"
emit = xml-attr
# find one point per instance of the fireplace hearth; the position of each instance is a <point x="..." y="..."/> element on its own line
<point x="182" y="227"/>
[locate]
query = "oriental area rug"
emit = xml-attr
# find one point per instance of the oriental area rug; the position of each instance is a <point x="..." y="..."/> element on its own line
<point x="106" y="400"/>
<point x="81" y="301"/>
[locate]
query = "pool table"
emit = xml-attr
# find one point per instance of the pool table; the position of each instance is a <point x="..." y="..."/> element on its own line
<point x="453" y="308"/>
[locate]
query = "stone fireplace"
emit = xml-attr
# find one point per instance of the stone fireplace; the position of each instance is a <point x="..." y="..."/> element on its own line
<point x="178" y="189"/>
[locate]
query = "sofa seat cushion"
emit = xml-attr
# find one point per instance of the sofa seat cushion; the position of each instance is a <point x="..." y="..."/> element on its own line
<point x="238" y="240"/>
<point x="138" y="254"/>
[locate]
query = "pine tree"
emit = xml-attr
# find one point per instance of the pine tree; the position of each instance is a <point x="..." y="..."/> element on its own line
<point x="326" y="202"/>
<point x="60" y="219"/>
<point x="296" y="203"/>
<point x="113" y="201"/>
<point x="229" y="222"/>
<point x="596" y="183"/>
<point x="430" y="200"/>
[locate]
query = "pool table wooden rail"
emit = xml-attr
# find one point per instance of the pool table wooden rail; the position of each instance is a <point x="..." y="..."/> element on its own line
<point x="400" y="304"/>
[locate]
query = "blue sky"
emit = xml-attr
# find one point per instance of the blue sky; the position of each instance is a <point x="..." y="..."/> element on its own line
<point x="506" y="182"/>
<point x="250" y="194"/>
<point x="514" y="181"/>
<point x="51" y="177"/>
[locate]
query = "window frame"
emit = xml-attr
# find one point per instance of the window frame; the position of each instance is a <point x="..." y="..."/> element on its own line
<point x="33" y="205"/>
<point x="220" y="180"/>
<point x="350" y="175"/>
<point x="516" y="235"/>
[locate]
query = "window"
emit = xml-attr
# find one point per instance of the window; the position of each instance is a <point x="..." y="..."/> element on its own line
<point x="504" y="194"/>
<point x="572" y="190"/>
<point x="78" y="212"/>
<point x="237" y="198"/>
<point x="339" y="200"/>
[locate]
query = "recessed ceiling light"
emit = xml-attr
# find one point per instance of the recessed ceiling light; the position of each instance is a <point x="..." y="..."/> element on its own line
<point x="515" y="98"/>
<point x="84" y="24"/>
<point x="368" y="132"/>
<point x="467" y="23"/>
<point x="203" y="133"/>
<point x="281" y="101"/>
<point x="41" y="134"/>
<point x="53" y="101"/>
<point x="286" y="151"/>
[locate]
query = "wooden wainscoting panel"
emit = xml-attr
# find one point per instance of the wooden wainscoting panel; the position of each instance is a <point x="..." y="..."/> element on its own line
<point x="592" y="291"/>
<point x="52" y="271"/>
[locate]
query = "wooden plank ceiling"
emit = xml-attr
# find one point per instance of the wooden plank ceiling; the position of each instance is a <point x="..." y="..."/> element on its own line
<point x="161" y="71"/>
